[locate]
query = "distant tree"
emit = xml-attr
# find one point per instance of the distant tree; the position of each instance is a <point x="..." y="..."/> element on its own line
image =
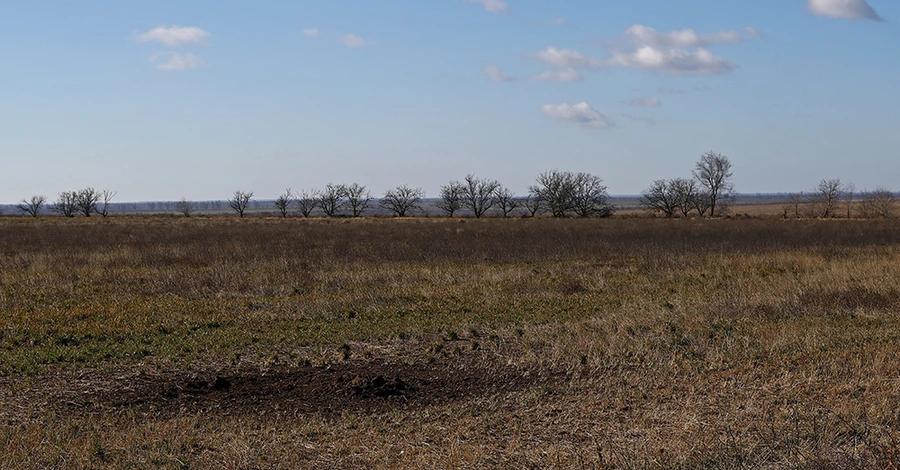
<point x="479" y="195"/>
<point x="825" y="198"/>
<point x="33" y="206"/>
<point x="660" y="197"/>
<point x="554" y="190"/>
<point x="103" y="200"/>
<point x="847" y="194"/>
<point x="533" y="205"/>
<point x="86" y="201"/>
<point x="793" y="205"/>
<point x="65" y="204"/>
<point x="240" y="202"/>
<point x="331" y="199"/>
<point x="879" y="203"/>
<point x="506" y="200"/>
<point x="307" y="201"/>
<point x="402" y="200"/>
<point x="590" y="197"/>
<point x="358" y="199"/>
<point x="451" y="198"/>
<point x="714" y="172"/>
<point x="283" y="202"/>
<point x="185" y="207"/>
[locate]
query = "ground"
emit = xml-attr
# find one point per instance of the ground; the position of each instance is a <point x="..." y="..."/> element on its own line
<point x="157" y="342"/>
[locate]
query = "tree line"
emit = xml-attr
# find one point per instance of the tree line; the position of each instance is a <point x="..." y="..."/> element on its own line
<point x="708" y="191"/>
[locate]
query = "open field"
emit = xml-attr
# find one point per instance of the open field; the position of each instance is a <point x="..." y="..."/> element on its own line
<point x="431" y="343"/>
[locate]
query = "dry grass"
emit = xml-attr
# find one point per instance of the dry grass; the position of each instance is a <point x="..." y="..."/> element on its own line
<point x="622" y="343"/>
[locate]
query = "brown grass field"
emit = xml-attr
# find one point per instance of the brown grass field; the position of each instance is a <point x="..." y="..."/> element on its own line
<point x="160" y="342"/>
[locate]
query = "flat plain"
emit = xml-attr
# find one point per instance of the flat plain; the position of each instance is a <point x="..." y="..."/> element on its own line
<point x="213" y="342"/>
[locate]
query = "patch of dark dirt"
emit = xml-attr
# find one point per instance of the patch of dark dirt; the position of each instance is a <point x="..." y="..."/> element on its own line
<point x="352" y="386"/>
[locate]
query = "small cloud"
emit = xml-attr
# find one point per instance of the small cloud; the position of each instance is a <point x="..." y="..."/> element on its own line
<point x="175" y="36"/>
<point x="564" y="75"/>
<point x="847" y="9"/>
<point x="580" y="113"/>
<point x="497" y="76"/>
<point x="312" y="33"/>
<point x="352" y="40"/>
<point x="493" y="6"/>
<point x="645" y="120"/>
<point x="645" y="102"/>
<point x="673" y="61"/>
<point x="567" y="59"/>
<point x="753" y="32"/>
<point x="171" y="61"/>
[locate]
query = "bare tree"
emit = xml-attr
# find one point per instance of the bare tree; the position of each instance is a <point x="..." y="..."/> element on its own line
<point x="185" y="207"/>
<point x="554" y="190"/>
<point x="795" y="202"/>
<point x="847" y="196"/>
<point x="506" y="200"/>
<point x="307" y="202"/>
<point x="589" y="197"/>
<point x="878" y="203"/>
<point x="402" y="200"/>
<point x="33" y="206"/>
<point x="240" y="202"/>
<point x="533" y="205"/>
<point x="358" y="199"/>
<point x="331" y="199"/>
<point x="86" y="201"/>
<point x="825" y="198"/>
<point x="660" y="197"/>
<point x="478" y="194"/>
<point x="65" y="204"/>
<point x="451" y="198"/>
<point x="103" y="199"/>
<point x="713" y="171"/>
<point x="283" y="202"/>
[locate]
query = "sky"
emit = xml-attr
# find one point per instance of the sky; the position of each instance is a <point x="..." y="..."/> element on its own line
<point x="164" y="99"/>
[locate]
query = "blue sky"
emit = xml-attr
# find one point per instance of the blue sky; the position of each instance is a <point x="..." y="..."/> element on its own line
<point x="165" y="99"/>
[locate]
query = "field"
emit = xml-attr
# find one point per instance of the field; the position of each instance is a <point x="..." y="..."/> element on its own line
<point x="158" y="342"/>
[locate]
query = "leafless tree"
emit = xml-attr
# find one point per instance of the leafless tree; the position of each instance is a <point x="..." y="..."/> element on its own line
<point x="402" y="200"/>
<point x="847" y="196"/>
<point x="86" y="201"/>
<point x="185" y="207"/>
<point x="331" y="199"/>
<point x="358" y="199"/>
<point x="283" y="202"/>
<point x="686" y="195"/>
<point x="554" y="191"/>
<point x="793" y="205"/>
<point x="65" y="204"/>
<point x="506" y="200"/>
<point x="240" y="202"/>
<point x="533" y="205"/>
<point x="562" y="192"/>
<point x="713" y="171"/>
<point x="451" y="199"/>
<point x="307" y="202"/>
<point x="103" y="199"/>
<point x="825" y="198"/>
<point x="878" y="203"/>
<point x="660" y="197"/>
<point x="33" y="206"/>
<point x="479" y="194"/>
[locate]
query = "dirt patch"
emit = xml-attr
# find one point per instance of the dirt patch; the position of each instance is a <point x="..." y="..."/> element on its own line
<point x="355" y="386"/>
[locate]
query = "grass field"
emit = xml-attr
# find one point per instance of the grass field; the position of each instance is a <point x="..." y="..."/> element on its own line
<point x="430" y="343"/>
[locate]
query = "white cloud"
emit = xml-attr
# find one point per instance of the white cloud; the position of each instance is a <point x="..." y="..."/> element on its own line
<point x="312" y="33"/>
<point x="175" y="35"/>
<point x="352" y="40"/>
<point x="563" y="75"/>
<point x="849" y="9"/>
<point x="645" y="102"/>
<point x="752" y="32"/>
<point x="567" y="59"/>
<point x="673" y="61"/>
<point x="498" y="76"/>
<point x="642" y="35"/>
<point x="494" y="6"/>
<point x="580" y="113"/>
<point x="175" y="61"/>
